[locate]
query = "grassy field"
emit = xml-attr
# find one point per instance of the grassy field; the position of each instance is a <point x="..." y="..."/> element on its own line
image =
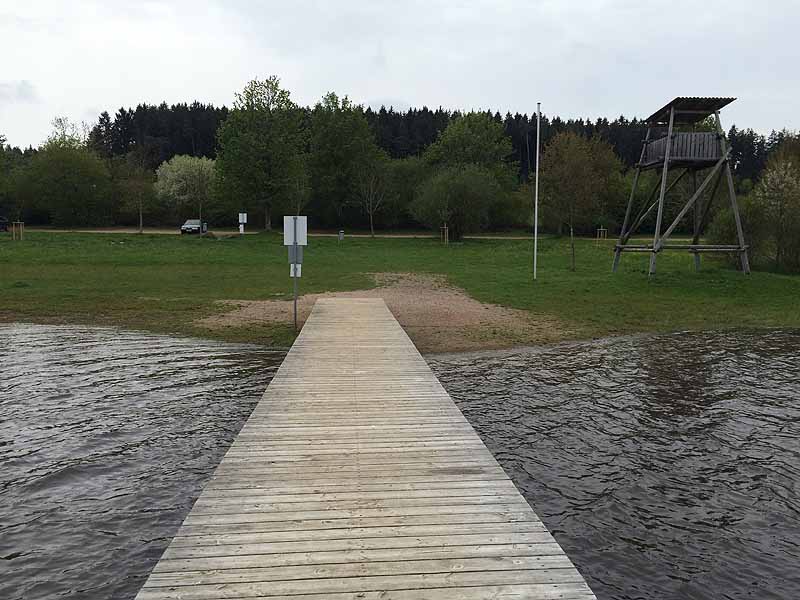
<point x="164" y="283"/>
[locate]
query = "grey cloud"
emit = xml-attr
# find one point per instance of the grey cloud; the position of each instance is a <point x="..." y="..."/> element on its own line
<point x="581" y="59"/>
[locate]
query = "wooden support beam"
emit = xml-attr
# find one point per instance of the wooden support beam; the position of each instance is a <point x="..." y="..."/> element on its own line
<point x="687" y="206"/>
<point x="732" y="193"/>
<point x="615" y="263"/>
<point x="690" y="248"/>
<point x="660" y="214"/>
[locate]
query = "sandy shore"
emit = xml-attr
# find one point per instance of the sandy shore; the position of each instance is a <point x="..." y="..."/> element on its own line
<point x="437" y="317"/>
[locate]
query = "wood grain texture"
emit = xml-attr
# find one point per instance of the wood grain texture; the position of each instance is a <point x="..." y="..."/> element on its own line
<point x="357" y="477"/>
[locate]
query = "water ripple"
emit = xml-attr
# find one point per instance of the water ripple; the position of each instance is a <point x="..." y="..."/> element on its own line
<point x="667" y="467"/>
<point x="106" y="438"/>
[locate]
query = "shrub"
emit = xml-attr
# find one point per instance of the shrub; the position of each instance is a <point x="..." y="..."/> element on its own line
<point x="770" y="218"/>
<point x="459" y="197"/>
<point x="67" y="186"/>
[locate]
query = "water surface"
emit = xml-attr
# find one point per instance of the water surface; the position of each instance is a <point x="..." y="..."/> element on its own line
<point x="667" y="467"/>
<point x="106" y="439"/>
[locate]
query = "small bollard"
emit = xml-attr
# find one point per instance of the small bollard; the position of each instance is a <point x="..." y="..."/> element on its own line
<point x="341" y="235"/>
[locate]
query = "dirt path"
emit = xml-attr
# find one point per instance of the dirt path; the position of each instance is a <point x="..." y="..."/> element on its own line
<point x="436" y="316"/>
<point x="228" y="231"/>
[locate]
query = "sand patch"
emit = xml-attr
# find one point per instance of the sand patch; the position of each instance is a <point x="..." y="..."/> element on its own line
<point x="436" y="316"/>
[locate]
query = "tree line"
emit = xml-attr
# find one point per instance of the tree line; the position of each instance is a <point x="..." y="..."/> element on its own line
<point x="343" y="164"/>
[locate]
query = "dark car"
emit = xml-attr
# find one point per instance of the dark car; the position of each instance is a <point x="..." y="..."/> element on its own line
<point x="193" y="226"/>
<point x="3" y="224"/>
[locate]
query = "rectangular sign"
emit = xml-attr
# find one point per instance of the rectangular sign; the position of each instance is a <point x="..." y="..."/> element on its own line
<point x="295" y="270"/>
<point x="242" y="218"/>
<point x="289" y="229"/>
<point x="295" y="258"/>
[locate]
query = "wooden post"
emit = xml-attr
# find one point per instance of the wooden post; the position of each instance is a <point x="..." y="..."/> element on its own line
<point x="623" y="231"/>
<point x="660" y="214"/>
<point x="696" y="232"/>
<point x="732" y="193"/>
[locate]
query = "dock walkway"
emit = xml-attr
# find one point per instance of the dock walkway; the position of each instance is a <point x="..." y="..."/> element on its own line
<point x="357" y="478"/>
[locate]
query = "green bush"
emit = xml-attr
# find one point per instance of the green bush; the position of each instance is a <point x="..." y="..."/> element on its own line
<point x="66" y="186"/>
<point x="459" y="197"/>
<point x="770" y="219"/>
<point x="754" y="223"/>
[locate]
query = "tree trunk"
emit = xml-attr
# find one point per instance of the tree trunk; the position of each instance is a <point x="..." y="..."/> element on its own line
<point x="572" y="245"/>
<point x="140" y="215"/>
<point x="371" y="226"/>
<point x="267" y="219"/>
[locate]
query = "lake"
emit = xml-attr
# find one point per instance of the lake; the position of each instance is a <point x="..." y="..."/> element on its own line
<point x="666" y="466"/>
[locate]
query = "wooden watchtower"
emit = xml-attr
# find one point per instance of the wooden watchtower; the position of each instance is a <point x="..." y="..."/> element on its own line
<point x="673" y="144"/>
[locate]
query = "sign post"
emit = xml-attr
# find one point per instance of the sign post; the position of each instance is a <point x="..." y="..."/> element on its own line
<point x="242" y="222"/>
<point x="295" y="236"/>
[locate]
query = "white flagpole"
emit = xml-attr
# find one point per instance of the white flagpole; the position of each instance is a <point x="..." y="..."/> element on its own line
<point x="536" y="191"/>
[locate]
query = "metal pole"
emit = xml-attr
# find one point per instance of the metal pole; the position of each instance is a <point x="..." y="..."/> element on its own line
<point x="536" y="190"/>
<point x="294" y="271"/>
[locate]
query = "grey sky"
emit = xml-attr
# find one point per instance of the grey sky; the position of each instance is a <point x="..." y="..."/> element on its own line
<point x="585" y="58"/>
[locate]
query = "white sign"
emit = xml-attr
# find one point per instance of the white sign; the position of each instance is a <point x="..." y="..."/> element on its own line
<point x="242" y="218"/>
<point x="289" y="231"/>
<point x="295" y="270"/>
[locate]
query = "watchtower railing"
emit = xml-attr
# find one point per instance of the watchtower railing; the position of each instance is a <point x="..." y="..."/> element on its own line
<point x="697" y="147"/>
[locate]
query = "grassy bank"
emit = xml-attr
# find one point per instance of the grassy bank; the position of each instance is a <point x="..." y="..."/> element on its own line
<point x="165" y="283"/>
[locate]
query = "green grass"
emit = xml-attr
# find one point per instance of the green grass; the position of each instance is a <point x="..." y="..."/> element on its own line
<point x="164" y="283"/>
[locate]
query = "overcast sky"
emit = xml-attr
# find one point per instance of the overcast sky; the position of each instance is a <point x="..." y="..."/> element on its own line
<point x="579" y="58"/>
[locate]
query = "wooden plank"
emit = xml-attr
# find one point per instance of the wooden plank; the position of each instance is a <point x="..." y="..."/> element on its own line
<point x="193" y="591"/>
<point x="216" y="563"/>
<point x="456" y="520"/>
<point x="357" y="477"/>
<point x="363" y="569"/>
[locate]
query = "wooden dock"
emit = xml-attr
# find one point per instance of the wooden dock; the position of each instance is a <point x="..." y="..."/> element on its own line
<point x="357" y="477"/>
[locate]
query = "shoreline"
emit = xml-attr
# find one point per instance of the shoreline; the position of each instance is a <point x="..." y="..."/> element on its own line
<point x="482" y="351"/>
<point x="474" y="296"/>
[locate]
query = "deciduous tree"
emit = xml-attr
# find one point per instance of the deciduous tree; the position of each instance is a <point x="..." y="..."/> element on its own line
<point x="341" y="144"/>
<point x="576" y="173"/>
<point x="67" y="187"/>
<point x="373" y="182"/>
<point x="475" y="139"/>
<point x="260" y="144"/>
<point x="187" y="181"/>
<point x="456" y="196"/>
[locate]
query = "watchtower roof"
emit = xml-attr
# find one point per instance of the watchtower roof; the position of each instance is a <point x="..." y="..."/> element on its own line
<point x="688" y="109"/>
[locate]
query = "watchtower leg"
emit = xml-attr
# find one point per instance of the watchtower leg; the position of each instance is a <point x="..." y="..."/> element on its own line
<point x="623" y="234"/>
<point x="623" y="231"/>
<point x="662" y="193"/>
<point x="697" y="213"/>
<point x="732" y="193"/>
<point x="739" y="231"/>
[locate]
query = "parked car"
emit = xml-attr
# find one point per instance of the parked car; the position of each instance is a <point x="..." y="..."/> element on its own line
<point x="193" y="226"/>
<point x="3" y="224"/>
